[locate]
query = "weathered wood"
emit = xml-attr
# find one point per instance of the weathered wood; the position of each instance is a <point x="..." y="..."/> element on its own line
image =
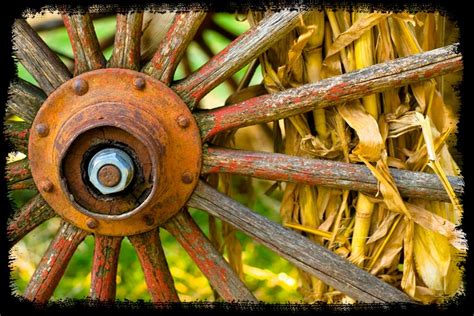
<point x="18" y="176"/>
<point x="199" y="40"/>
<point x="17" y="171"/>
<point x="155" y="268"/>
<point x="221" y="276"/>
<point x="172" y="47"/>
<point x="86" y="48"/>
<point x="24" y="99"/>
<point x="236" y="55"/>
<point x="25" y="219"/>
<point x="45" y="66"/>
<point x="331" y="91"/>
<point x="315" y="259"/>
<point x="104" y="268"/>
<point x="27" y="184"/>
<point x="52" y="266"/>
<point x="333" y="174"/>
<point x="126" y="53"/>
<point x="17" y="134"/>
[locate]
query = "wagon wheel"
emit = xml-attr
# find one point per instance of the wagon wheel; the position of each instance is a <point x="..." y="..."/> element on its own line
<point x="117" y="151"/>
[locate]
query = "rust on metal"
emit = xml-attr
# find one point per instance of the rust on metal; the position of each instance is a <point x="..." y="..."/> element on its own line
<point x="109" y="175"/>
<point x="114" y="113"/>
<point x="74" y="167"/>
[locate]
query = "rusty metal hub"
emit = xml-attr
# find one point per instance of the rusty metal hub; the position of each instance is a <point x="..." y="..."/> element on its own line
<point x="118" y="111"/>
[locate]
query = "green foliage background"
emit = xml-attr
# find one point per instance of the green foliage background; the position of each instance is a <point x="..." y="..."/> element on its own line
<point x="269" y="277"/>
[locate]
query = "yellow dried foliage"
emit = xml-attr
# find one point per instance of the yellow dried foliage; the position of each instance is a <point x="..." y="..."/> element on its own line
<point x="413" y="244"/>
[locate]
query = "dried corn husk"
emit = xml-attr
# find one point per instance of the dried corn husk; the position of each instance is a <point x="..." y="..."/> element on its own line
<point x="405" y="128"/>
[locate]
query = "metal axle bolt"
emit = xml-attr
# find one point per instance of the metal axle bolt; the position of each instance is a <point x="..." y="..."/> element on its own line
<point x="109" y="175"/>
<point x="110" y="170"/>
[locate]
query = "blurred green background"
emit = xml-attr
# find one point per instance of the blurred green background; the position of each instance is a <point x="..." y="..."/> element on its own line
<point x="269" y="277"/>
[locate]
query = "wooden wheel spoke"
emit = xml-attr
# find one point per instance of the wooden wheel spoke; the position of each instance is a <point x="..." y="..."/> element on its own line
<point x="54" y="263"/>
<point x="25" y="100"/>
<point x="126" y="53"/>
<point x="297" y="249"/>
<point x="239" y="53"/>
<point x="86" y="48"/>
<point x="104" y="267"/>
<point x="221" y="276"/>
<point x="334" y="174"/>
<point x="171" y="49"/>
<point x="25" y="219"/>
<point x="45" y="66"/>
<point x="331" y="91"/>
<point x="18" y="176"/>
<point x="17" y="171"/>
<point x="17" y="134"/>
<point x="157" y="274"/>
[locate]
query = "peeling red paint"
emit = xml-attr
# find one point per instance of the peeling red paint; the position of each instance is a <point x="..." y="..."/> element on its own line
<point x="104" y="267"/>
<point x="335" y="174"/>
<point x="54" y="263"/>
<point x="329" y="92"/>
<point x="152" y="258"/>
<point x="207" y="258"/>
<point x="173" y="46"/>
<point x="236" y="55"/>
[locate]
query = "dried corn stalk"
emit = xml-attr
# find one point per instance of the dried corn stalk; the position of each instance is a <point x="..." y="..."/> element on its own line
<point x="411" y="243"/>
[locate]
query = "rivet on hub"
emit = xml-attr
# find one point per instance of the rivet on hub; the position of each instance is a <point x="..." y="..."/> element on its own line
<point x="46" y="186"/>
<point x="139" y="83"/>
<point x="183" y="121"/>
<point x="80" y="86"/>
<point x="187" y="177"/>
<point x="42" y="129"/>
<point x="92" y="223"/>
<point x="148" y="220"/>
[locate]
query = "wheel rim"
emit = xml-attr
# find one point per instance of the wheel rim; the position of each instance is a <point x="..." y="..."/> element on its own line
<point x="144" y="226"/>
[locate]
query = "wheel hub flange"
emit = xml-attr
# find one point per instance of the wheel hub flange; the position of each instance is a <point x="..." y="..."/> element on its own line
<point x="125" y="112"/>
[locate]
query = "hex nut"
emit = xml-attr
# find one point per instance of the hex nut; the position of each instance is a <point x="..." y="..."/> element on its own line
<point x="117" y="158"/>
